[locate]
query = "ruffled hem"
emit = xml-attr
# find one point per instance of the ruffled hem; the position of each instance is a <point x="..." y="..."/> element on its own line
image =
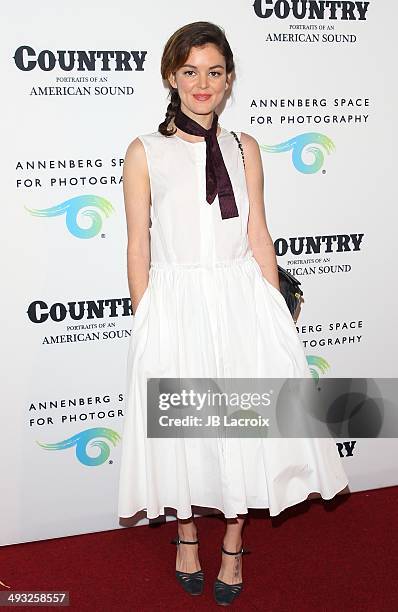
<point x="185" y="514"/>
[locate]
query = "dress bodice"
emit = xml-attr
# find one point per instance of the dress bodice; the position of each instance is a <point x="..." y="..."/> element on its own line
<point x="185" y="228"/>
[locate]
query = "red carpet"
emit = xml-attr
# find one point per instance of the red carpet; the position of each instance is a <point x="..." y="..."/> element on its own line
<point x="339" y="555"/>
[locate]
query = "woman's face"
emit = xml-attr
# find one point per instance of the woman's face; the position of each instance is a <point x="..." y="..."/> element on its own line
<point x="202" y="81"/>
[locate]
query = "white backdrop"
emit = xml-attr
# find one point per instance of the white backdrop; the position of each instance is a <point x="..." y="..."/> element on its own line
<point x="328" y="84"/>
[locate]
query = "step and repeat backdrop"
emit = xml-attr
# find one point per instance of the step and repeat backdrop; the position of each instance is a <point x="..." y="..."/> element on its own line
<point x="314" y="85"/>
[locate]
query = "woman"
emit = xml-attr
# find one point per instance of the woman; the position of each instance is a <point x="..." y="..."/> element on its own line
<point x="204" y="287"/>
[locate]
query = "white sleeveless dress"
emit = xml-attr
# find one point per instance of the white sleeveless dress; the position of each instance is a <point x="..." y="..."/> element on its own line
<point x="209" y="312"/>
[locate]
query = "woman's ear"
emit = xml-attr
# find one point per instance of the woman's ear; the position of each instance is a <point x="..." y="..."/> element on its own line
<point x="172" y="80"/>
<point x="228" y="81"/>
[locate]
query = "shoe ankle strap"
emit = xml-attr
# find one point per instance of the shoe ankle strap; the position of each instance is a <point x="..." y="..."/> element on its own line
<point x="177" y="540"/>
<point x="242" y="551"/>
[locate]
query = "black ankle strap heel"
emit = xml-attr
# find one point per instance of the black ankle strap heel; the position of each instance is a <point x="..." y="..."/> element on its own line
<point x="225" y="593"/>
<point x="192" y="582"/>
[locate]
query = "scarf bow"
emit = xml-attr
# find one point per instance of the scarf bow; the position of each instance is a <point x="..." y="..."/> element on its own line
<point x="217" y="177"/>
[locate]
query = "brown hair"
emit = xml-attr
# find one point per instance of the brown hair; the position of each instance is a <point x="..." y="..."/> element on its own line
<point x="176" y="52"/>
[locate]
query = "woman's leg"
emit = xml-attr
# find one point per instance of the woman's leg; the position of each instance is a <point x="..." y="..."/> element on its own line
<point x="187" y="554"/>
<point x="231" y="565"/>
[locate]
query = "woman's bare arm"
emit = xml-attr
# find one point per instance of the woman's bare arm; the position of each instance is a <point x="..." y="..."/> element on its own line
<point x="137" y="199"/>
<point x="259" y="237"/>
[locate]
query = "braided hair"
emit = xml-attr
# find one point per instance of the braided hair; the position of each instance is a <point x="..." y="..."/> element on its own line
<point x="174" y="105"/>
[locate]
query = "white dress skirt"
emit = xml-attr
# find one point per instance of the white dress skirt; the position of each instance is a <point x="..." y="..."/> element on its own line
<point x="209" y="312"/>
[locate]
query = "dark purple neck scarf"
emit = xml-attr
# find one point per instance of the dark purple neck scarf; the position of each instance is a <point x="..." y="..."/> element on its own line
<point x="217" y="177"/>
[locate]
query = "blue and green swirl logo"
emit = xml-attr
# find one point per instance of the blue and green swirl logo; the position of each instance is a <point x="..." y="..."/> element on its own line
<point x="314" y="141"/>
<point x="87" y="438"/>
<point x="71" y="208"/>
<point x="317" y="364"/>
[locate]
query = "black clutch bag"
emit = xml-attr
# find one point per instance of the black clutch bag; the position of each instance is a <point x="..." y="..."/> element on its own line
<point x="288" y="283"/>
<point x="290" y="290"/>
